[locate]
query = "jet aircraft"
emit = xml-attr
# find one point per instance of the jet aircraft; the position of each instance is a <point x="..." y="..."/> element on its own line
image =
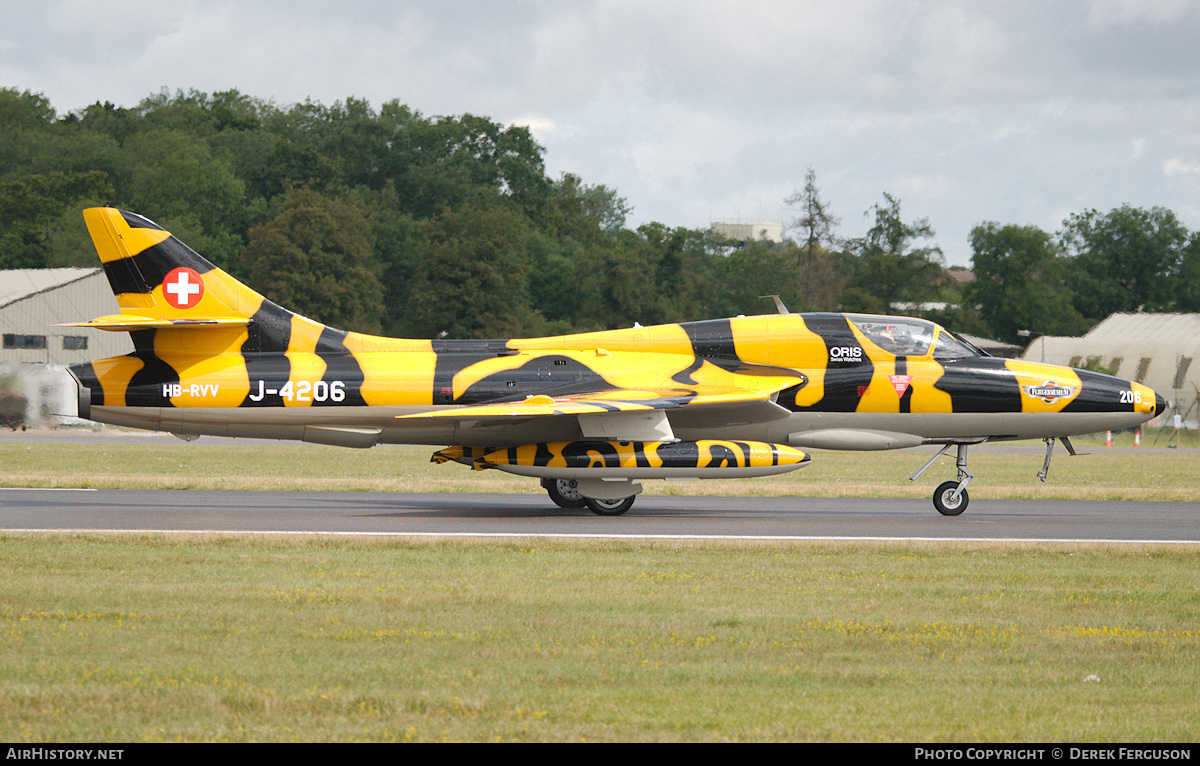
<point x="591" y="415"/>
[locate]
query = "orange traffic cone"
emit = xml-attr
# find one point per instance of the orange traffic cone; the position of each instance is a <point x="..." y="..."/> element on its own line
<point x="1108" y="438"/>
<point x="1137" y="437"/>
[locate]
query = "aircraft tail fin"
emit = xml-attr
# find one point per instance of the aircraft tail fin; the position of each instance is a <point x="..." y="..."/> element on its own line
<point x="162" y="284"/>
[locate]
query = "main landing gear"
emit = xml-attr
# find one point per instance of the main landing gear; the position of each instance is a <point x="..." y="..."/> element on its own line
<point x="950" y="498"/>
<point x="565" y="494"/>
<point x="614" y="507"/>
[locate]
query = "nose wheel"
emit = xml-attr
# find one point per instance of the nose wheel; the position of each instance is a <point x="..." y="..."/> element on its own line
<point x="949" y="499"/>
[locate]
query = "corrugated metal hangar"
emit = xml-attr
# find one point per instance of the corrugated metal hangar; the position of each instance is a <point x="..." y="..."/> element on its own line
<point x="33" y="301"/>
<point x="34" y="352"/>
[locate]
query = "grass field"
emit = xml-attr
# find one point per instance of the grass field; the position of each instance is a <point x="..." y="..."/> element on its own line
<point x="122" y="638"/>
<point x="145" y="638"/>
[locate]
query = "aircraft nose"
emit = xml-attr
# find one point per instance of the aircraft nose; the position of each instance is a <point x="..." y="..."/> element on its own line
<point x="1160" y="404"/>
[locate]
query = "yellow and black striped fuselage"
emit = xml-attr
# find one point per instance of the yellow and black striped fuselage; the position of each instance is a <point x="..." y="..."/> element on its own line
<point x="214" y="382"/>
<point x="214" y="357"/>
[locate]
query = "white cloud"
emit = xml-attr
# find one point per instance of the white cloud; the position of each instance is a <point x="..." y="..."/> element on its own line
<point x="1177" y="166"/>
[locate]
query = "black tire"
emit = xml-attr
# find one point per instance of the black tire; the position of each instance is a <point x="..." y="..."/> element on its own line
<point x="564" y="493"/>
<point x="941" y="497"/>
<point x="610" y="507"/>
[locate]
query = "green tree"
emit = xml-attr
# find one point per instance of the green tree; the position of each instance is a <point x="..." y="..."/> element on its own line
<point x="24" y="110"/>
<point x="552" y="286"/>
<point x="756" y="269"/>
<point x="1187" y="284"/>
<point x="284" y="165"/>
<point x="1123" y="260"/>
<point x="31" y="210"/>
<point x="889" y="267"/>
<point x="185" y="112"/>
<point x="856" y="300"/>
<point x="459" y="213"/>
<point x="471" y="275"/>
<point x="315" y="258"/>
<point x="179" y="182"/>
<point x="359" y="141"/>
<point x="816" y="225"/>
<point x="395" y="241"/>
<point x="821" y="281"/>
<point x="661" y="275"/>
<point x="1019" y="284"/>
<point x="615" y="283"/>
<point x="107" y="119"/>
<point x="586" y="213"/>
<point x="454" y="161"/>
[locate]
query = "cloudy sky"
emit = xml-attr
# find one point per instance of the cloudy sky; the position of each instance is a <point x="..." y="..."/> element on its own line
<point x="1015" y="111"/>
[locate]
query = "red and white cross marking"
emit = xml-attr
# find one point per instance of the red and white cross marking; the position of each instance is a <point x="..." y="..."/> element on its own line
<point x="183" y="288"/>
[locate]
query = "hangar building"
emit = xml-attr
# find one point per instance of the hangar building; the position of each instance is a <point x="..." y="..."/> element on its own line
<point x="33" y="301"/>
<point x="34" y="352"/>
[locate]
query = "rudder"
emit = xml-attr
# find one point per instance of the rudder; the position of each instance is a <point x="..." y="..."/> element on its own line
<point x="151" y="272"/>
<point x="162" y="284"/>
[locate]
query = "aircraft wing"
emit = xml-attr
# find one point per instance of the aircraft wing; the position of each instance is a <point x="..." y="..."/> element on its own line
<point x="617" y="400"/>
<point x="601" y="411"/>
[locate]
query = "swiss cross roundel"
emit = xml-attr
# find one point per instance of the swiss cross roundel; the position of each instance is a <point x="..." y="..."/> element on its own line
<point x="183" y="288"/>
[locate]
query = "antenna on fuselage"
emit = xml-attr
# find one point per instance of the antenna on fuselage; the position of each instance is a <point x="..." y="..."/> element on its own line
<point x="782" y="309"/>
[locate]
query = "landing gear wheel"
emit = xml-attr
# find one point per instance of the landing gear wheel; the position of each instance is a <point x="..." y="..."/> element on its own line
<point x="943" y="502"/>
<point x="564" y="493"/>
<point x="610" y="507"/>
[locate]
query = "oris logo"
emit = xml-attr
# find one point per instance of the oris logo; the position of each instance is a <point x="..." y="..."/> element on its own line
<point x="846" y="354"/>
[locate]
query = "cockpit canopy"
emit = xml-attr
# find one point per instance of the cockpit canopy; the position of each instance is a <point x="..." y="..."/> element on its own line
<point x="906" y="336"/>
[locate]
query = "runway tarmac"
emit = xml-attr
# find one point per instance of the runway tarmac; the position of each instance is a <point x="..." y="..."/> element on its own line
<point x="651" y="516"/>
<point x="534" y="514"/>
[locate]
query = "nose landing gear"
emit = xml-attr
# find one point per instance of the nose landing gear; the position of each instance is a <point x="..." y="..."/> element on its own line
<point x="950" y="498"/>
